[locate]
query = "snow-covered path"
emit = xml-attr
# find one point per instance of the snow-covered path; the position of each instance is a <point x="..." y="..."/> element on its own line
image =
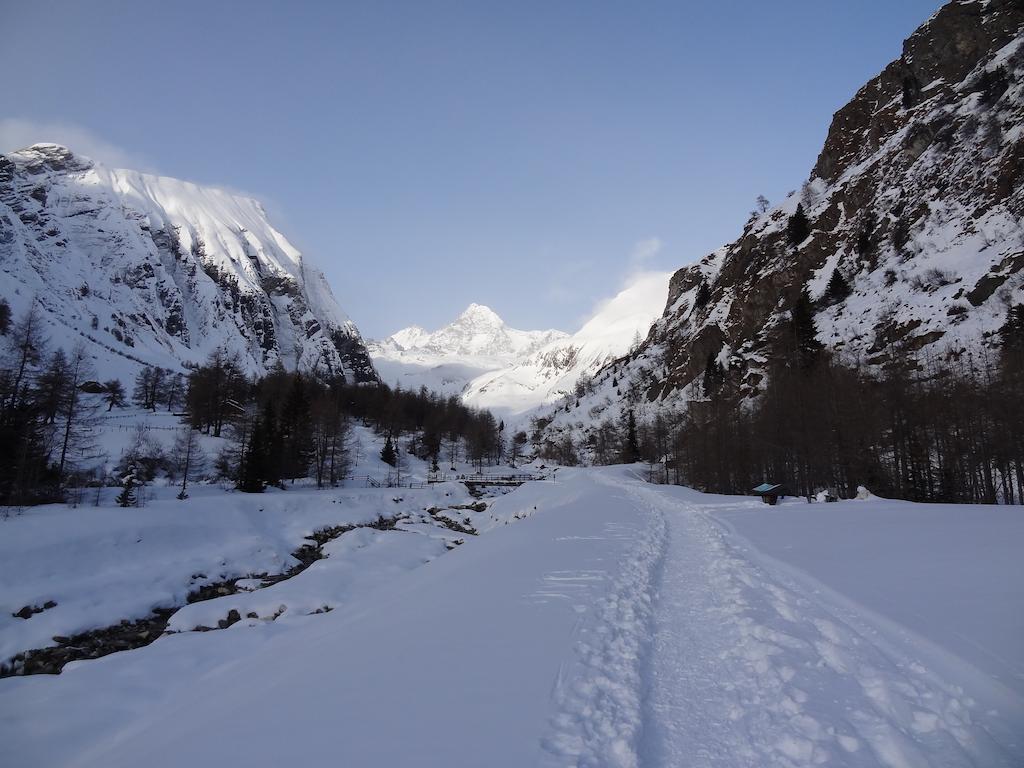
<point x="749" y="667"/>
<point x="610" y="624"/>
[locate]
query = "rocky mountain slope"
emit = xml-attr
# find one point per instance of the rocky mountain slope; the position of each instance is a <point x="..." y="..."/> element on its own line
<point x="564" y="366"/>
<point x="153" y="270"/>
<point x="915" y="200"/>
<point x="477" y="342"/>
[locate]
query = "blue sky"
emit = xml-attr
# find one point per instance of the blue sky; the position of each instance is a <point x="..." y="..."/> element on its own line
<point x="523" y="155"/>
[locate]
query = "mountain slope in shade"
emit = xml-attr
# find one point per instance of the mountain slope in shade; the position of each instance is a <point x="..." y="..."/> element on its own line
<point x="916" y="200"/>
<point x="153" y="270"/>
<point x="558" y="368"/>
<point x="446" y="360"/>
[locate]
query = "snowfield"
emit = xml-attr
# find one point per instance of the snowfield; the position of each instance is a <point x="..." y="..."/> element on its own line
<point x="596" y="621"/>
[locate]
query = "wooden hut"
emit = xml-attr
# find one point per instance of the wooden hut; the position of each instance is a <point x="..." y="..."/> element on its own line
<point x="770" y="493"/>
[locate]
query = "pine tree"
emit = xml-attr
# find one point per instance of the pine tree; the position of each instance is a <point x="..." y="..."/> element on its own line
<point x="296" y="430"/>
<point x="273" y="446"/>
<point x="714" y="375"/>
<point x="253" y="467"/>
<point x="127" y="498"/>
<point x="387" y="453"/>
<point x="631" y="445"/>
<point x="838" y="289"/>
<point x="806" y="348"/>
<point x="703" y="295"/>
<point x="798" y="227"/>
<point x="1011" y="343"/>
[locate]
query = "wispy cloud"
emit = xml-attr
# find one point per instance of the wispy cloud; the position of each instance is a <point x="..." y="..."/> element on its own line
<point x="18" y="133"/>
<point x="643" y="252"/>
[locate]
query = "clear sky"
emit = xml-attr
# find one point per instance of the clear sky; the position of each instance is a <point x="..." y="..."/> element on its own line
<point x="523" y="155"/>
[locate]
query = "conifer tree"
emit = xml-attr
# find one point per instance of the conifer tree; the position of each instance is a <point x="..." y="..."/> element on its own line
<point x="631" y="445"/>
<point x="296" y="430"/>
<point x="703" y="295"/>
<point x="387" y="453"/>
<point x="803" y="331"/>
<point x="1011" y="343"/>
<point x="273" y="447"/>
<point x="253" y="466"/>
<point x="838" y="289"/>
<point x="127" y="498"/>
<point x="798" y="227"/>
<point x="714" y="375"/>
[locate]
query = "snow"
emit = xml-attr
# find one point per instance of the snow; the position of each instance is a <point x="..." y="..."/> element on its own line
<point x="608" y="623"/>
<point x="510" y="372"/>
<point x="552" y="371"/>
<point x="926" y="571"/>
<point x="116" y="258"/>
<point x="103" y="564"/>
<point x="446" y="360"/>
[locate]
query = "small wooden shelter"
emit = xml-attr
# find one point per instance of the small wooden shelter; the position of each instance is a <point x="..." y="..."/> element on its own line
<point x="770" y="493"/>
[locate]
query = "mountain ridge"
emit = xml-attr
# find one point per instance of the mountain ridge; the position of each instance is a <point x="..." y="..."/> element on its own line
<point x="915" y="202"/>
<point x="478" y="330"/>
<point x="152" y="270"/>
<point x="447" y="359"/>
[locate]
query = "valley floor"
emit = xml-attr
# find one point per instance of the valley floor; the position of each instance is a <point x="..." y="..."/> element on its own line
<point x="609" y="623"/>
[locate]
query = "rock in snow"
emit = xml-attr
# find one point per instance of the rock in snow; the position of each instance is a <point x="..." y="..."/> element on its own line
<point x="152" y="270"/>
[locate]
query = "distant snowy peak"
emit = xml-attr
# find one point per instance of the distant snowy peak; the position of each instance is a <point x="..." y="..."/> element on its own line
<point x="408" y="338"/>
<point x="477" y="342"/>
<point x="153" y="270"/>
<point x="477" y="332"/>
<point x="556" y="369"/>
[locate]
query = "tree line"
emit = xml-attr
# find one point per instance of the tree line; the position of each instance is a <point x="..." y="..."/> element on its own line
<point x="276" y="428"/>
<point x="290" y="424"/>
<point x="942" y="428"/>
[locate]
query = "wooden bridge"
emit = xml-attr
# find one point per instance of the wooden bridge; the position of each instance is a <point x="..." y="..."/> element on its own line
<point x="480" y="479"/>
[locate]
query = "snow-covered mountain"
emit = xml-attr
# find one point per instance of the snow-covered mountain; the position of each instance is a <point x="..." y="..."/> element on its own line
<point x="916" y="200"/>
<point x="559" y="367"/>
<point x="446" y="360"/>
<point x="153" y="270"/>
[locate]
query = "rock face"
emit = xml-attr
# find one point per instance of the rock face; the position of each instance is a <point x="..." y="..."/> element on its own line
<point x="916" y="199"/>
<point x="157" y="271"/>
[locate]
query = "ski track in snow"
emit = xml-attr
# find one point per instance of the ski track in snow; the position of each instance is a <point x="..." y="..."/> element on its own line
<point x="622" y="625"/>
<point x="698" y="655"/>
<point x="748" y="670"/>
<point x="599" y="701"/>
